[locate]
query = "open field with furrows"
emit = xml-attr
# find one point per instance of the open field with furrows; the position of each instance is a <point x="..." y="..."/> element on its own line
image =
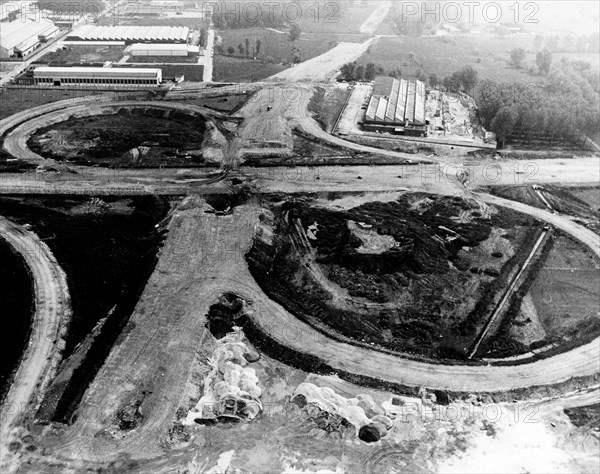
<point x="489" y="56"/>
<point x="83" y="54"/>
<point x="582" y="202"/>
<point x="233" y="69"/>
<point x="381" y="273"/>
<point x="591" y="196"/>
<point x="565" y="294"/>
<point x="275" y="45"/>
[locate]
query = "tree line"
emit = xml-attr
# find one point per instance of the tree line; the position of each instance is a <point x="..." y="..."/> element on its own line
<point x="566" y="108"/>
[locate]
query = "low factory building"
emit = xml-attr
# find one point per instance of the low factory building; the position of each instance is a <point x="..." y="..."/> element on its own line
<point x="396" y="106"/>
<point x="99" y="76"/>
<point x="158" y="49"/>
<point x="18" y="39"/>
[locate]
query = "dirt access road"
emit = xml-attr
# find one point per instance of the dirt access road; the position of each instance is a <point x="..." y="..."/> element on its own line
<point x="50" y="320"/>
<point x="323" y="68"/>
<point x="153" y="359"/>
<point x="371" y="25"/>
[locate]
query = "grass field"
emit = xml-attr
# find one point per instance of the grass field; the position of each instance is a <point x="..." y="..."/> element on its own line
<point x="192" y="72"/>
<point x="17" y="100"/>
<point x="276" y="45"/>
<point x="445" y="55"/>
<point x="85" y="54"/>
<point x="228" y="69"/>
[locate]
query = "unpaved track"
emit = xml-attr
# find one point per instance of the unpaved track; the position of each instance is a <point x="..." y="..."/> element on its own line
<point x="15" y="141"/>
<point x="52" y="314"/>
<point x="324" y="67"/>
<point x="284" y="327"/>
<point x="198" y="262"/>
<point x="370" y="26"/>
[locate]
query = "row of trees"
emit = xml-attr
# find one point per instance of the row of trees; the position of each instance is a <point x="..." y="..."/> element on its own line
<point x="566" y="108"/>
<point x="357" y="72"/>
<point x="568" y="44"/>
<point x="243" y="49"/>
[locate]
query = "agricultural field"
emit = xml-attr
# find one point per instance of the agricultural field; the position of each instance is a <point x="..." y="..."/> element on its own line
<point x="229" y="69"/>
<point x="16" y="100"/>
<point x="444" y="55"/>
<point x="581" y="202"/>
<point x="417" y="275"/>
<point x="130" y="138"/>
<point x="276" y="46"/>
<point x="83" y="54"/>
<point x="565" y="294"/>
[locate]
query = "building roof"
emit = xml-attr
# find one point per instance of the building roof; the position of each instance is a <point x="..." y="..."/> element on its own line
<point x="383" y="86"/>
<point x="16" y="32"/>
<point x="159" y="47"/>
<point x="403" y="101"/>
<point x="96" y="70"/>
<point x="131" y="33"/>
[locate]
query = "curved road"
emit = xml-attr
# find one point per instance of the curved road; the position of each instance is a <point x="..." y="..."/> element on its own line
<point x="51" y="317"/>
<point x="287" y="329"/>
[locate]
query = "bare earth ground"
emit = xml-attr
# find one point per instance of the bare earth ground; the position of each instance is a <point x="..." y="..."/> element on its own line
<point x="50" y="321"/>
<point x="202" y="258"/>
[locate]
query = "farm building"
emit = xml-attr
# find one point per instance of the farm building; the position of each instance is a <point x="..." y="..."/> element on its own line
<point x="20" y="38"/>
<point x="158" y="49"/>
<point x="86" y="76"/>
<point x="131" y="34"/>
<point x="396" y="106"/>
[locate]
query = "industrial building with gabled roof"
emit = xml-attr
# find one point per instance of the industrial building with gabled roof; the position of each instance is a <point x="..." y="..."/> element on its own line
<point x="20" y="38"/>
<point x="396" y="106"/>
<point x="131" y="34"/>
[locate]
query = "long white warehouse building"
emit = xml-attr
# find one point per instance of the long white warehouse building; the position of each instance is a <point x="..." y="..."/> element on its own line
<point x="131" y="34"/>
<point x="86" y="76"/>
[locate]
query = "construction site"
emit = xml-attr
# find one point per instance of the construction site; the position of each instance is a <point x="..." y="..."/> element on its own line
<point x="212" y="282"/>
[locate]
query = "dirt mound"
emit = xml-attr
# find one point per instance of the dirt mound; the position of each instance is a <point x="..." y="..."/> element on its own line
<point x="409" y="289"/>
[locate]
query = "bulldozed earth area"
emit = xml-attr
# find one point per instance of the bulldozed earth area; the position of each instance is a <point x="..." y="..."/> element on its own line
<point x="418" y="275"/>
<point x="135" y="415"/>
<point x="107" y="247"/>
<point x="130" y="138"/>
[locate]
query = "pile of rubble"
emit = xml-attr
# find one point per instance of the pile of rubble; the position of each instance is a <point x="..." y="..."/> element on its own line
<point x="332" y="412"/>
<point x="231" y="390"/>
